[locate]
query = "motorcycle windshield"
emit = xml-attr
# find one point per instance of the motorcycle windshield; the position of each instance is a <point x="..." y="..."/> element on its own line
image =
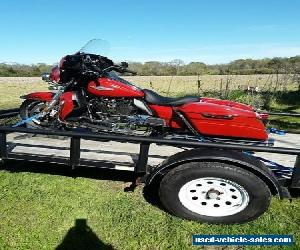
<point x="96" y="47"/>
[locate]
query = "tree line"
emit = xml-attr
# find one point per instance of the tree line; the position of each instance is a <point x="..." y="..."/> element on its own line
<point x="276" y="65"/>
<point x="23" y="69"/>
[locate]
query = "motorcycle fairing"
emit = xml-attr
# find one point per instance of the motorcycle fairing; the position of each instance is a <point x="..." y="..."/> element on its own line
<point x="72" y="104"/>
<point x="66" y="104"/>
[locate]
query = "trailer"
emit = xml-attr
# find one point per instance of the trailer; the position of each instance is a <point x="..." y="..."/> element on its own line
<point x="214" y="182"/>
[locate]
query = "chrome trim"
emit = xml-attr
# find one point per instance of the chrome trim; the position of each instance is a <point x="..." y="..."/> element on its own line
<point x="102" y="88"/>
<point x="143" y="106"/>
<point x="186" y="122"/>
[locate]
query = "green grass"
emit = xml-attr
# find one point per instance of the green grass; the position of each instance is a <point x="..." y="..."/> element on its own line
<point x="39" y="210"/>
<point x="10" y="92"/>
<point x="286" y="102"/>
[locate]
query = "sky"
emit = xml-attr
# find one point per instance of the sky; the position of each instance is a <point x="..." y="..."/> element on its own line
<point x="210" y="31"/>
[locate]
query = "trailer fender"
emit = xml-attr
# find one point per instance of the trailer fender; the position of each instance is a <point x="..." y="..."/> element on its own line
<point x="236" y="158"/>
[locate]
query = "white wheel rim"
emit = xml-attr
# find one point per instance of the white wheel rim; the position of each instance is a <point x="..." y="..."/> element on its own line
<point x="211" y="196"/>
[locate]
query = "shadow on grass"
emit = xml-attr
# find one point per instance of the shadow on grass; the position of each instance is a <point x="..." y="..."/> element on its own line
<point x="81" y="236"/>
<point x="289" y="98"/>
<point x="150" y="192"/>
<point x="291" y="109"/>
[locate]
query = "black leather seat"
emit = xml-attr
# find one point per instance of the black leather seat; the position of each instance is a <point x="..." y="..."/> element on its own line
<point x="153" y="98"/>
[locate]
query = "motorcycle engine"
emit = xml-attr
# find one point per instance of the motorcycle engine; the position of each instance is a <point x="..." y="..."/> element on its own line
<point x="121" y="116"/>
<point x="115" y="110"/>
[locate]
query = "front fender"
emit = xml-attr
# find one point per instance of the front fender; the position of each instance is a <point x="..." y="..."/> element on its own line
<point x="39" y="96"/>
<point x="235" y="158"/>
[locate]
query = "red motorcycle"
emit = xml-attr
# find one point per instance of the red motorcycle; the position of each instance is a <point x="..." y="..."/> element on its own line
<point x="91" y="94"/>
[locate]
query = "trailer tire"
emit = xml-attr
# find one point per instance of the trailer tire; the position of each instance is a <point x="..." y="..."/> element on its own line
<point x="214" y="192"/>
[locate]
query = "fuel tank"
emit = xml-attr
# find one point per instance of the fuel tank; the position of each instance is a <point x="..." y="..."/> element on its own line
<point x="217" y="118"/>
<point x="112" y="88"/>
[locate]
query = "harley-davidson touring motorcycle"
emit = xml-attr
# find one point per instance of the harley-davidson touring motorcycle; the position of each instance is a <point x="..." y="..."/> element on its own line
<point x="91" y="94"/>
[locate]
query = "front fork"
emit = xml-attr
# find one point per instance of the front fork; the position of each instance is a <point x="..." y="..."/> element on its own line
<point x="54" y="100"/>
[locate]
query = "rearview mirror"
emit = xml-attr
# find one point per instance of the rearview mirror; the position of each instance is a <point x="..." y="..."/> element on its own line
<point x="124" y="64"/>
<point x="46" y="77"/>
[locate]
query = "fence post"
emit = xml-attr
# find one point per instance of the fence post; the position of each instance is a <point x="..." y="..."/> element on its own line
<point x="199" y="85"/>
<point x="221" y="88"/>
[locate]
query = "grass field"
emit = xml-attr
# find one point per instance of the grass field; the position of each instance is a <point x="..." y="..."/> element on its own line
<point x="167" y="85"/>
<point x="47" y="210"/>
<point x="189" y="84"/>
<point x="11" y="88"/>
<point x="44" y="208"/>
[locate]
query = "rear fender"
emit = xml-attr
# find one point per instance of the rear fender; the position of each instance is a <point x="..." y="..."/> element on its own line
<point x="234" y="158"/>
<point x="39" y="96"/>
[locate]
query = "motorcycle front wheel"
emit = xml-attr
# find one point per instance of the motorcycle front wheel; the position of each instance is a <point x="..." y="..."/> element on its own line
<point x="30" y="108"/>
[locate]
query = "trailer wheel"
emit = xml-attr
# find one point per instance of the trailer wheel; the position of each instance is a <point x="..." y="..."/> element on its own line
<point x="214" y="192"/>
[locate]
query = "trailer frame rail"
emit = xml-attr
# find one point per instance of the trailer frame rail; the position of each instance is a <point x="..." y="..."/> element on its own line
<point x="141" y="167"/>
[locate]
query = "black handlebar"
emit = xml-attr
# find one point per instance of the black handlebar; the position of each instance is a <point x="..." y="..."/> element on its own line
<point x="121" y="68"/>
<point x="95" y="67"/>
